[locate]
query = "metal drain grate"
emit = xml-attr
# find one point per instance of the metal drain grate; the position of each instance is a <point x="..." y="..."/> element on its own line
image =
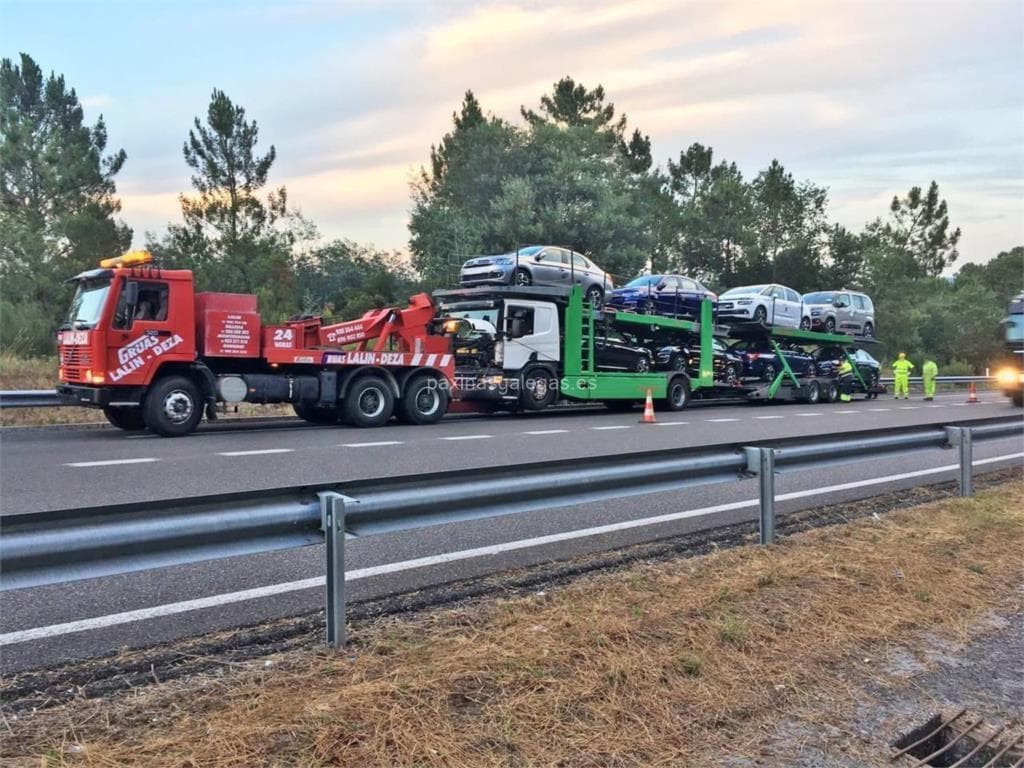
<point x="960" y="740"/>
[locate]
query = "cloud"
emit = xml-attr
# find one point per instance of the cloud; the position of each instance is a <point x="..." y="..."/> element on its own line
<point x="99" y="101"/>
<point x="865" y="98"/>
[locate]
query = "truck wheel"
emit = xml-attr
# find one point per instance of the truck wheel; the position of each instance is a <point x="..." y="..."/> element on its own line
<point x="173" y="407"/>
<point x="424" y="401"/>
<point x="315" y="415"/>
<point x="128" y="419"/>
<point x="678" y="395"/>
<point x="831" y="392"/>
<point x="368" y="403"/>
<point x="811" y="392"/>
<point x="538" y="392"/>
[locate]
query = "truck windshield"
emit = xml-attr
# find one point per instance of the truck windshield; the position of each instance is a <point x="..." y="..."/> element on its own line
<point x="86" y="306"/>
<point x="1014" y="327"/>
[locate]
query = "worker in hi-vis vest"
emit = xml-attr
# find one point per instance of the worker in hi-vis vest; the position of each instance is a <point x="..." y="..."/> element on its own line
<point x="845" y="380"/>
<point x="901" y="373"/>
<point x="928" y="373"/>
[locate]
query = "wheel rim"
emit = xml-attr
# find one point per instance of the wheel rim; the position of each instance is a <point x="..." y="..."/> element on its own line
<point x="522" y="278"/>
<point x="678" y="395"/>
<point x="869" y="330"/>
<point x="830" y="325"/>
<point x="730" y="374"/>
<point x="594" y="296"/>
<point x="539" y="387"/>
<point x="371" y="402"/>
<point x="178" y="406"/>
<point x="805" y="324"/>
<point x="648" y="307"/>
<point x="642" y="366"/>
<point x="769" y="371"/>
<point x="760" y="315"/>
<point x="427" y="401"/>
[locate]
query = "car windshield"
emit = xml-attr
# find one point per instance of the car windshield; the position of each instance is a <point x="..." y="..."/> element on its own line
<point x="86" y="306"/>
<point x="824" y="297"/>
<point x="744" y="291"/>
<point x="527" y="251"/>
<point x="644" y="281"/>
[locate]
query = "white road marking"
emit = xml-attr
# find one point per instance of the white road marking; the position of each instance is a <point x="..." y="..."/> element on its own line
<point x="256" y="453"/>
<point x="615" y="426"/>
<point x="808" y="414"/>
<point x="671" y="423"/>
<point x="109" y="462"/>
<point x="547" y="432"/>
<point x="771" y="417"/>
<point x="720" y="421"/>
<point x="853" y="411"/>
<point x="371" y="445"/>
<point x="466" y="437"/>
<point x="213" y="601"/>
<point x="879" y="409"/>
<point x="141" y="437"/>
<point x="909" y="407"/>
<point x="936" y="406"/>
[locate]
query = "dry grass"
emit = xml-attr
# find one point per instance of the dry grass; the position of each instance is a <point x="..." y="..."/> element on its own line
<point x="677" y="663"/>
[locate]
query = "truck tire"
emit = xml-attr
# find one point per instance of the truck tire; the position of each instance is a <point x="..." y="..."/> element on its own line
<point x="811" y="392"/>
<point x="368" y="403"/>
<point x="128" y="419"/>
<point x="315" y="415"/>
<point x="537" y="392"/>
<point x="173" y="407"/>
<point x="424" y="401"/>
<point x="831" y="392"/>
<point x="677" y="397"/>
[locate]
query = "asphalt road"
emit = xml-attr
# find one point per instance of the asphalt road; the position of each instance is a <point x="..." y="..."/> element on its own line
<point x="43" y="469"/>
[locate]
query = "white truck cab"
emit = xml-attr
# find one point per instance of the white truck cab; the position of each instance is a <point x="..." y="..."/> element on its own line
<point x="531" y="334"/>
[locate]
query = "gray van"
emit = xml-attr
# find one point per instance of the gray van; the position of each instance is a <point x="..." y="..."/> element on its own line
<point x="843" y="311"/>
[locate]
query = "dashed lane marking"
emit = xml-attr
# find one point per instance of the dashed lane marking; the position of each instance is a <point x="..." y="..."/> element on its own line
<point x="852" y="411"/>
<point x="317" y="582"/>
<point x="909" y="407"/>
<point x="808" y="414"/>
<point x="614" y="426"/>
<point x="879" y="409"/>
<point x="719" y="421"/>
<point x="371" y="445"/>
<point x="774" y="417"/>
<point x="546" y="432"/>
<point x="671" y="423"/>
<point x="467" y="437"/>
<point x="262" y="452"/>
<point x="109" y="462"/>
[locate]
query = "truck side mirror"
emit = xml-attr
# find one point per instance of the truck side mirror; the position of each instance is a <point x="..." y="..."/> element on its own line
<point x="126" y="306"/>
<point x="131" y="295"/>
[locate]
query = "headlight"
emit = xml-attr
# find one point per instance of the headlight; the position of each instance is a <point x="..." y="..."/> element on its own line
<point x="744" y="301"/>
<point x="505" y="260"/>
<point x="815" y="311"/>
<point x="1007" y="377"/>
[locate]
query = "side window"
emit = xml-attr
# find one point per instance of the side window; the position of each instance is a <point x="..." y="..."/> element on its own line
<point x="792" y="295"/>
<point x="519" y="322"/>
<point x="778" y="293"/>
<point x="151" y="305"/>
<point x="579" y="262"/>
<point x="858" y="302"/>
<point x="671" y="283"/>
<point x="563" y="256"/>
<point x="844" y="299"/>
<point x="687" y="285"/>
<point x="867" y="304"/>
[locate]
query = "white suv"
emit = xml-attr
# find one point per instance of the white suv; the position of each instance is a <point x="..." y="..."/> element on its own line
<point x="767" y="304"/>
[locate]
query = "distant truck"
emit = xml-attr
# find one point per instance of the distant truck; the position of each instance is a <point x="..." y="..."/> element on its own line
<point x="1010" y="375"/>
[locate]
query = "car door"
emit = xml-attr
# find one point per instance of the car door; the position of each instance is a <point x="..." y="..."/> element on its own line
<point x="581" y="271"/>
<point x="667" y="298"/>
<point x="777" y="306"/>
<point x="551" y="268"/>
<point x="845" y="320"/>
<point x="794" y="308"/>
<point x="690" y="296"/>
<point x="859" y="312"/>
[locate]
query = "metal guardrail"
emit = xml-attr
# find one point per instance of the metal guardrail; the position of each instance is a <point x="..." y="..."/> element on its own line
<point x="47" y="398"/>
<point x="64" y="545"/>
<point x="29" y="398"/>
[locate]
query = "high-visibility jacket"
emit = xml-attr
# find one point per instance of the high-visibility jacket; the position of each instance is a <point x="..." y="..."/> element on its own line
<point x="929" y="370"/>
<point x="902" y="368"/>
<point x="845" y="369"/>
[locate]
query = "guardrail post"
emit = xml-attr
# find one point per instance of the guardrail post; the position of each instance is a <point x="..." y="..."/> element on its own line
<point x="332" y="511"/>
<point x="966" y="462"/>
<point x="761" y="462"/>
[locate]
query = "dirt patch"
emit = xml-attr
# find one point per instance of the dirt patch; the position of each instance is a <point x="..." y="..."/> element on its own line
<point x="680" y="662"/>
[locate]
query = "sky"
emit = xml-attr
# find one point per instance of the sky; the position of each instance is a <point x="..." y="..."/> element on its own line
<point x="867" y="98"/>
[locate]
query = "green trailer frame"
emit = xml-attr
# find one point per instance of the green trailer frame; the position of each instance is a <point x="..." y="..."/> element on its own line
<point x="583" y="382"/>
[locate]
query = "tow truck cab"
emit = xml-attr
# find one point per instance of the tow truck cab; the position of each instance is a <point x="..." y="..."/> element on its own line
<point x="121" y="321"/>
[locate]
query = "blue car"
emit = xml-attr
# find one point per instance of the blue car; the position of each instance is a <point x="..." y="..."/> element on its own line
<point x="761" y="362"/>
<point x="672" y="295"/>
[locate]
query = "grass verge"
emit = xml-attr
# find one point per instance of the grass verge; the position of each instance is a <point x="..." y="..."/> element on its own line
<point x="680" y="662"/>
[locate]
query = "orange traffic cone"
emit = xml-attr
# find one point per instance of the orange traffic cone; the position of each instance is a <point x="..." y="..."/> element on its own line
<point x="972" y="396"/>
<point x="648" y="409"/>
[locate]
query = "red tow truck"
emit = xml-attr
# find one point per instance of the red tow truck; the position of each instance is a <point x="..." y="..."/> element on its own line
<point x="141" y="344"/>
